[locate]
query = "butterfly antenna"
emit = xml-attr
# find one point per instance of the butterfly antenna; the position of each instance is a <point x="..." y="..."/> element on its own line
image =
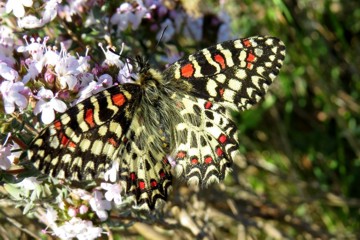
<point x="162" y="35"/>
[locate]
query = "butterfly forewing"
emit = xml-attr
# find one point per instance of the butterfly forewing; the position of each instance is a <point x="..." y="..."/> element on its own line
<point x="83" y="142"/>
<point x="236" y="73"/>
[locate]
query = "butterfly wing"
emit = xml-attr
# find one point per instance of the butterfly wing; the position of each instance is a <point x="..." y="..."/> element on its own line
<point x="205" y="141"/>
<point x="235" y="73"/>
<point x="89" y="138"/>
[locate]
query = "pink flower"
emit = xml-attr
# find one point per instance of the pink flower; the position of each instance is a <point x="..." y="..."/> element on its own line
<point x="67" y="70"/>
<point x="49" y="106"/>
<point x="113" y="192"/>
<point x="47" y="16"/>
<point x="83" y="209"/>
<point x="5" y="157"/>
<point x="13" y="95"/>
<point x="128" y="15"/>
<point x="77" y="228"/>
<point x="100" y="205"/>
<point x="72" y="212"/>
<point x="7" y="72"/>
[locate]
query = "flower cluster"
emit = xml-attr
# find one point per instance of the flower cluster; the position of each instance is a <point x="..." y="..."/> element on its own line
<point x="38" y="80"/>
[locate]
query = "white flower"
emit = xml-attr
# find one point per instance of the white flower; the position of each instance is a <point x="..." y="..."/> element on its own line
<point x="82" y="194"/>
<point x="77" y="228"/>
<point x="40" y="56"/>
<point x="112" y="174"/>
<point x="7" y="72"/>
<point x="6" y="156"/>
<point x="66" y="70"/>
<point x="5" y="159"/>
<point x="35" y="48"/>
<point x="111" y="58"/>
<point x="47" y="16"/>
<point x="47" y="108"/>
<point x="51" y="216"/>
<point x="72" y="212"/>
<point x="127" y="15"/>
<point x="17" y="7"/>
<point x="113" y="192"/>
<point x="13" y="94"/>
<point x="7" y="44"/>
<point x="126" y="74"/>
<point x="30" y="22"/>
<point x="100" y="205"/>
<point x="50" y="11"/>
<point x="83" y="209"/>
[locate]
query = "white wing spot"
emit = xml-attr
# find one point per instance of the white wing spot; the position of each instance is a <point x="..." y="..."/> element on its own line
<point x="235" y="84"/>
<point x="211" y="88"/>
<point x="241" y="74"/>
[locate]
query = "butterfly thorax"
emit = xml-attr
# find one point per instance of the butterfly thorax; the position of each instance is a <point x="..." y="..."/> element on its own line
<point x="158" y="111"/>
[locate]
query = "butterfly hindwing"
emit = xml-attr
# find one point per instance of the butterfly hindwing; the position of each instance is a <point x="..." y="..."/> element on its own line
<point x="205" y="141"/>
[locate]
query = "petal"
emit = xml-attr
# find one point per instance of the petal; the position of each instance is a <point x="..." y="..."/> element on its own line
<point x="48" y="114"/>
<point x="9" y="106"/>
<point x="21" y="101"/>
<point x="27" y="3"/>
<point x="19" y="11"/>
<point x="58" y="105"/>
<point x="38" y="107"/>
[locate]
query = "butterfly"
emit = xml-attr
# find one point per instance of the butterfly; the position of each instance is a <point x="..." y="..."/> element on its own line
<point x="180" y="117"/>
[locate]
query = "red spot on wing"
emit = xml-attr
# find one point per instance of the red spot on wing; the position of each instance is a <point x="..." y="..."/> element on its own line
<point x="187" y="70"/>
<point x="208" y="105"/>
<point x="208" y="159"/>
<point x="153" y="183"/>
<point x="181" y="155"/>
<point x="142" y="185"/>
<point x="132" y="176"/>
<point x="118" y="99"/>
<point x="250" y="59"/>
<point x="57" y="125"/>
<point x="72" y="144"/>
<point x="247" y="43"/>
<point x="221" y="91"/>
<point x="220" y="60"/>
<point x="65" y="141"/>
<point x="113" y="142"/>
<point x="89" y="117"/>
<point x="222" y="138"/>
<point x="219" y="151"/>
<point x="162" y="174"/>
<point x="194" y="160"/>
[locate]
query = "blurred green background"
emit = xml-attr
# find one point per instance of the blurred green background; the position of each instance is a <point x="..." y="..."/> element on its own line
<point x="305" y="138"/>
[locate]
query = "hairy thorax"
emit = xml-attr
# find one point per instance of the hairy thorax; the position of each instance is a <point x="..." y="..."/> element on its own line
<point x="159" y="111"/>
